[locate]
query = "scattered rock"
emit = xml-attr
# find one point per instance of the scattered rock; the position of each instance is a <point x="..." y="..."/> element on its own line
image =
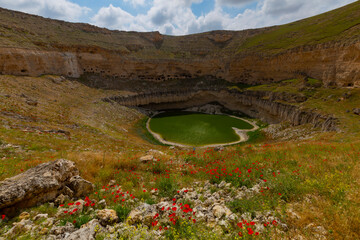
<point x="61" y="199"/>
<point x="19" y="227"/>
<point x="44" y="231"/>
<point x="102" y="203"/>
<point x="39" y="216"/>
<point x="356" y="111"/>
<point x="87" y="231"/>
<point x="107" y="216"/>
<point x="112" y="183"/>
<point x="31" y="102"/>
<point x="61" y="231"/>
<point x="24" y="215"/>
<point x="80" y="186"/>
<point x="147" y="158"/>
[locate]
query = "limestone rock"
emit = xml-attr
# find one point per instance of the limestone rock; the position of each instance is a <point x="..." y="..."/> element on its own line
<point x="24" y="215"/>
<point x="219" y="211"/>
<point x="107" y="216"/>
<point x="39" y="216"/>
<point x="32" y="102"/>
<point x="80" y="186"/>
<point x="40" y="184"/>
<point x="112" y="183"/>
<point x="61" y="199"/>
<point x="356" y="111"/>
<point x="19" y="227"/>
<point x="61" y="231"/>
<point x="146" y="158"/>
<point x="86" y="232"/>
<point x="44" y="231"/>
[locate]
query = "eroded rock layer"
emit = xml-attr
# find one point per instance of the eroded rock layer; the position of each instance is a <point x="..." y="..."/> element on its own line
<point x="258" y="104"/>
<point x="325" y="47"/>
<point x="333" y="64"/>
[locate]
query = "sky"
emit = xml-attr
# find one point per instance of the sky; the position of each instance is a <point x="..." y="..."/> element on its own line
<point x="176" y="17"/>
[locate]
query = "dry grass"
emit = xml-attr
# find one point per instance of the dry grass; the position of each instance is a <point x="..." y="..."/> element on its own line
<point x="104" y="148"/>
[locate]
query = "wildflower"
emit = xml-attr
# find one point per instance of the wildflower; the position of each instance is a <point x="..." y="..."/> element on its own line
<point x="2" y="217"/>
<point x="250" y="231"/>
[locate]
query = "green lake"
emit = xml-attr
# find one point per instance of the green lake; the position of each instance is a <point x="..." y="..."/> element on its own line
<point x="197" y="129"/>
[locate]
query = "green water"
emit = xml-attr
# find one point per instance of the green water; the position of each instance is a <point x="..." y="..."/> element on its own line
<point x="197" y="129"/>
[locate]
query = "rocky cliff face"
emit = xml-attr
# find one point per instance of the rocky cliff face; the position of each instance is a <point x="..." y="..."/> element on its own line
<point x="32" y="45"/>
<point x="262" y="105"/>
<point x="334" y="64"/>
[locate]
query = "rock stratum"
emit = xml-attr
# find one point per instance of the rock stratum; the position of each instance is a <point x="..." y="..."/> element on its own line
<point x="325" y="47"/>
<point x="267" y="106"/>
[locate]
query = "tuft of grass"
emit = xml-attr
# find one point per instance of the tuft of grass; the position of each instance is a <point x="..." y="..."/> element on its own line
<point x="77" y="220"/>
<point x="167" y="186"/>
<point x="122" y="212"/>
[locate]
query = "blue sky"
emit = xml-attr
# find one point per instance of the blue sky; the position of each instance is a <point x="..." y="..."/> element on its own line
<point x="176" y="17"/>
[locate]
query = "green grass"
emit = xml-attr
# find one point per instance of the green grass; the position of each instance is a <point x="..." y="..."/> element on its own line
<point x="197" y="129"/>
<point x="122" y="212"/>
<point x="330" y="26"/>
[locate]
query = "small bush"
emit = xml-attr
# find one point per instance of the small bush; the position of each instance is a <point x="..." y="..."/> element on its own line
<point x="77" y="220"/>
<point x="252" y="205"/>
<point x="122" y="212"/>
<point x="167" y="187"/>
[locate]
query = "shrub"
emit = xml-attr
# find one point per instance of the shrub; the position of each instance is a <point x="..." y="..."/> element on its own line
<point x="167" y="187"/>
<point x="77" y="220"/>
<point x="122" y="212"/>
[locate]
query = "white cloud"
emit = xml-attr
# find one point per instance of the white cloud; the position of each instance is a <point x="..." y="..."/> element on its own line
<point x="114" y="18"/>
<point x="136" y="2"/>
<point x="233" y="2"/>
<point x="175" y="17"/>
<point x="59" y="9"/>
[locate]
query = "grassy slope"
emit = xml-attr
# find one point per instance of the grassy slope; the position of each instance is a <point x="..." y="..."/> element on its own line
<point x="23" y="30"/>
<point x="337" y="25"/>
<point x="319" y="178"/>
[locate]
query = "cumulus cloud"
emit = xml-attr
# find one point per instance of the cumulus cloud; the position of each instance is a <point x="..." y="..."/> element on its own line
<point x="113" y="17"/>
<point x="175" y="17"/>
<point x="59" y="9"/>
<point x="233" y="2"/>
<point x="136" y="2"/>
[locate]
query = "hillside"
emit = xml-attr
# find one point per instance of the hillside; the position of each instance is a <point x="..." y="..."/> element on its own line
<point x="72" y="91"/>
<point x="324" y="47"/>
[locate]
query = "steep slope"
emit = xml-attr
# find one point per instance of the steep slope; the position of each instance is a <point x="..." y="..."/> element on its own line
<point x="325" y="47"/>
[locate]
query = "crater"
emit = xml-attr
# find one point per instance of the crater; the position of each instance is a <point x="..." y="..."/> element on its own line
<point x="196" y="129"/>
